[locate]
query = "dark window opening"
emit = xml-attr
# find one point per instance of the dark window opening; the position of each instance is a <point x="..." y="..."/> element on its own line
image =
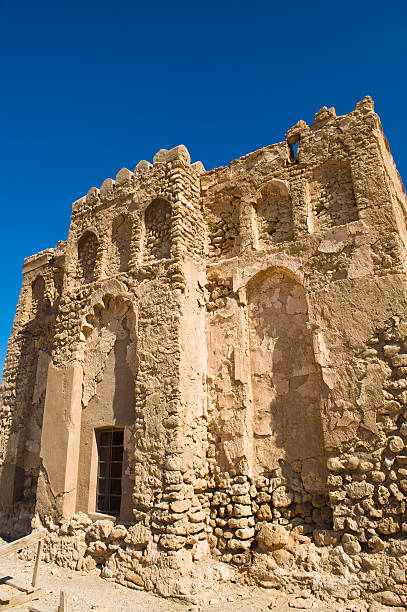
<point x="293" y="147"/>
<point x="110" y="453"/>
<point x="294" y="151"/>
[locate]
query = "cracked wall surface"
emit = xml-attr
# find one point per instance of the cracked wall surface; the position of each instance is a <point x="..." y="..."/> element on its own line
<point x="246" y="328"/>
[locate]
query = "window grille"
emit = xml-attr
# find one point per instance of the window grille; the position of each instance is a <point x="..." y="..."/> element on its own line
<point x="110" y="452"/>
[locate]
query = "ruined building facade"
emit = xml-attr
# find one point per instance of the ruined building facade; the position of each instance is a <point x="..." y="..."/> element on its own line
<point x="210" y="353"/>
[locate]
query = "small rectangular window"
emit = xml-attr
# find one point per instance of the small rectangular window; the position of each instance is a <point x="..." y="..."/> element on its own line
<point x="110" y="453"/>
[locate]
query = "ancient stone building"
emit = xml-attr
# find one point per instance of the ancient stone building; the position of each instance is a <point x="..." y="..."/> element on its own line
<point x="214" y="365"/>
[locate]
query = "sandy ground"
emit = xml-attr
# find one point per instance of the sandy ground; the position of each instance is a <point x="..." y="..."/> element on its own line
<point x="87" y="592"/>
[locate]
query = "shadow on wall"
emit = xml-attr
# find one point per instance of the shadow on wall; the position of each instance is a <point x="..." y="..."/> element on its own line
<point x="20" y="470"/>
<point x="88" y="246"/>
<point x="121" y="241"/>
<point x="285" y="381"/>
<point x="108" y="397"/>
<point x="123" y="398"/>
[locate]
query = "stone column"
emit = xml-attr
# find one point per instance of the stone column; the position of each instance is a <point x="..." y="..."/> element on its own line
<point x="248" y="225"/>
<point x="301" y="206"/>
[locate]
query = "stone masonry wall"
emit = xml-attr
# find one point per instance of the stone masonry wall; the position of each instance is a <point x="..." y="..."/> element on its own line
<point x="261" y="311"/>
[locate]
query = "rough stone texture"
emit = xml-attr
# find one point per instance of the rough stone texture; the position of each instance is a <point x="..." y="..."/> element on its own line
<point x="247" y="328"/>
<point x="272" y="536"/>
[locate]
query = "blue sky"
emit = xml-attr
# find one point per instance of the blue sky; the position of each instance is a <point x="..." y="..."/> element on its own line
<point x="89" y="87"/>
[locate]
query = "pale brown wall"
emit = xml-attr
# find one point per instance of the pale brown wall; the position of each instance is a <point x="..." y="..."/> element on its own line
<point x="112" y="405"/>
<point x="285" y="380"/>
<point x="108" y="399"/>
<point x="333" y="218"/>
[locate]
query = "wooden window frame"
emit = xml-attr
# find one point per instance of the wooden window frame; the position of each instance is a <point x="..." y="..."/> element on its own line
<point x="108" y="441"/>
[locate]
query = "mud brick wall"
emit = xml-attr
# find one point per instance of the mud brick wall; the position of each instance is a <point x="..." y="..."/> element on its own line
<point x="246" y="328"/>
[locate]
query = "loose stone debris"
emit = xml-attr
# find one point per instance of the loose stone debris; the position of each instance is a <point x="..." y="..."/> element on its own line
<point x="207" y="382"/>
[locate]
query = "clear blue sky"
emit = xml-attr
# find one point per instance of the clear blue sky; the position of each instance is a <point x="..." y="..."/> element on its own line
<point x="89" y="87"/>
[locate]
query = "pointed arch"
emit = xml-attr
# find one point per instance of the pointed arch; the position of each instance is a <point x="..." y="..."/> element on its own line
<point x="285" y="380"/>
<point x="110" y="365"/>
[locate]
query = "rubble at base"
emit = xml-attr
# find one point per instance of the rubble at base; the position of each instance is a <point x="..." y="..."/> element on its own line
<point x="283" y="560"/>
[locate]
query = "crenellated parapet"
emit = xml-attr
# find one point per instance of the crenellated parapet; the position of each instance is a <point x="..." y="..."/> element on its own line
<point x="270" y="199"/>
<point x="138" y="220"/>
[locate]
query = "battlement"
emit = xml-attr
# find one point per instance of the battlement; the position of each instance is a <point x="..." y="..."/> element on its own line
<point x="270" y="199"/>
<point x="273" y="196"/>
<point x="324" y="118"/>
<point x="175" y="156"/>
<point x="297" y="193"/>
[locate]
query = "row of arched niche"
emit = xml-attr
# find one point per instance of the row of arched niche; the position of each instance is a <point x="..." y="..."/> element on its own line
<point x="156" y="241"/>
<point x="274" y="220"/>
<point x="156" y="246"/>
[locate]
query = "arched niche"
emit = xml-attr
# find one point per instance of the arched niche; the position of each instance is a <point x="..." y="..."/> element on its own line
<point x="274" y="215"/>
<point x="222" y="217"/>
<point x="121" y="242"/>
<point x="58" y="282"/>
<point x="37" y="295"/>
<point x="332" y="195"/>
<point x="87" y="255"/>
<point x="29" y="381"/>
<point x="157" y="223"/>
<point x="108" y="395"/>
<point x="285" y="381"/>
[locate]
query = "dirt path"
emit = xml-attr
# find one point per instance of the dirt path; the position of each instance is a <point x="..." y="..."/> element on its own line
<point x="87" y="592"/>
